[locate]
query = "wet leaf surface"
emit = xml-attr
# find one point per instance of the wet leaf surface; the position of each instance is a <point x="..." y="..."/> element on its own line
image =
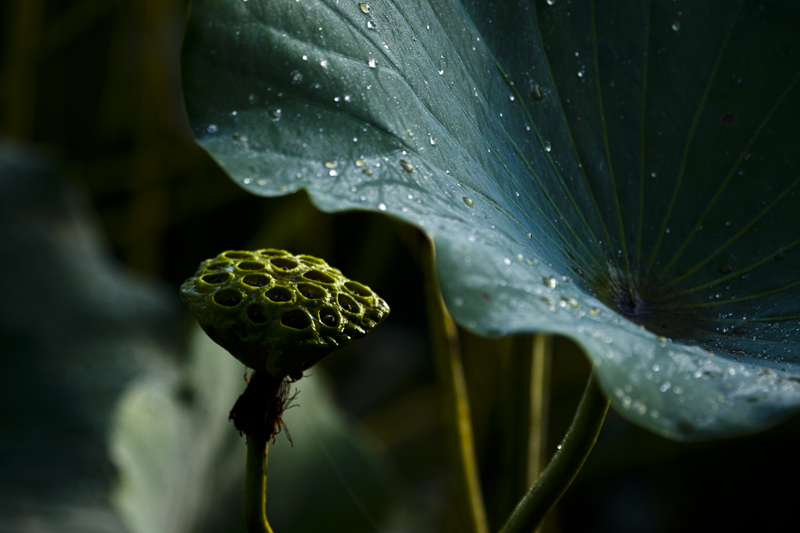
<point x="625" y="176"/>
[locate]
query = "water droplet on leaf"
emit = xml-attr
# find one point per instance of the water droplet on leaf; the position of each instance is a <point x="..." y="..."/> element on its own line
<point x="550" y="282"/>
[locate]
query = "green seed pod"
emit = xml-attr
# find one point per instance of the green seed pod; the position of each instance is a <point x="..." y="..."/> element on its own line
<point x="279" y="312"/>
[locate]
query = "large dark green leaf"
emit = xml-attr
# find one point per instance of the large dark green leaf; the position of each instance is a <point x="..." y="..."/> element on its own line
<point x="623" y="174"/>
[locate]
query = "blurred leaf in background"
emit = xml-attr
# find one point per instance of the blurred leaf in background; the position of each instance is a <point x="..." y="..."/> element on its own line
<point x="107" y="423"/>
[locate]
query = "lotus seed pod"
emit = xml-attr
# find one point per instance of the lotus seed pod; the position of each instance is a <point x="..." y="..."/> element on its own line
<point x="279" y="312"/>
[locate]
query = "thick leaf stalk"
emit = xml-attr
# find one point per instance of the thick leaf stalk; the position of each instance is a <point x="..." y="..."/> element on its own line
<point x="565" y="465"/>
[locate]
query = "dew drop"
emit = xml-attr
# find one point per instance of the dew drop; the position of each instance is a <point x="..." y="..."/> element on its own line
<point x="529" y="234"/>
<point x="364" y="7"/>
<point x="408" y="167"/>
<point x="676" y="25"/>
<point x="572" y="302"/>
<point x="441" y="72"/>
<point x="372" y="63"/>
<point x="367" y="171"/>
<point x="511" y="97"/>
<point x="297" y="76"/>
<point x="333" y="173"/>
<point x="550" y="282"/>
<point x="537" y="93"/>
<point x="467" y="201"/>
<point x="551" y="2"/>
<point x="594" y="311"/>
<point x="212" y="128"/>
<point x="581" y="72"/>
<point x="547" y="146"/>
<point x="323" y="63"/>
<point x="274" y="113"/>
<point x="382" y="206"/>
<point x="330" y="164"/>
<point x="360" y="162"/>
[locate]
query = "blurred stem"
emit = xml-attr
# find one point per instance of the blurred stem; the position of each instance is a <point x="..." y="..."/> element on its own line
<point x="539" y="404"/>
<point x="255" y="486"/>
<point x="523" y="409"/>
<point x="21" y="63"/>
<point x="568" y="460"/>
<point x="458" y="423"/>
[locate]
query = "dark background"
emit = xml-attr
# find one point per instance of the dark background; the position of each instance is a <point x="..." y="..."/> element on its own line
<point x="95" y="83"/>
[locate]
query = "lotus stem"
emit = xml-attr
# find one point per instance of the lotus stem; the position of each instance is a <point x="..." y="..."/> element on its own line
<point x="255" y="488"/>
<point x="456" y="401"/>
<point x="565" y="465"/>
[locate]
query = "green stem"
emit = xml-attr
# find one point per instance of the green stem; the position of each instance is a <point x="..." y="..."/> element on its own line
<point x="522" y="412"/>
<point x="539" y="404"/>
<point x="255" y="486"/>
<point x="444" y="336"/>
<point x="556" y="478"/>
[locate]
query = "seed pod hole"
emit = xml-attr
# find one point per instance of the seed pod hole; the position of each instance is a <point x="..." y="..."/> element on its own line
<point x="279" y="294"/>
<point x="217" y="266"/>
<point x="271" y="253"/>
<point x="296" y="320"/>
<point x="283" y="264"/>
<point x="228" y="298"/>
<point x="310" y="260"/>
<point x="217" y="278"/>
<point x="357" y="288"/>
<point x="329" y="317"/>
<point x="316" y="275"/>
<point x="348" y="304"/>
<point x="312" y="292"/>
<point x="256" y="280"/>
<point x="238" y="255"/>
<point x="250" y="265"/>
<point x="258" y="314"/>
